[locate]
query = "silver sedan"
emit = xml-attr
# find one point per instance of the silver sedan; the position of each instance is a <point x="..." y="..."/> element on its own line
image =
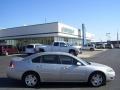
<point x="58" y="67"/>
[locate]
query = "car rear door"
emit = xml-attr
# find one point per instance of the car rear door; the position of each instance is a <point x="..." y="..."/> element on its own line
<point x="50" y="65"/>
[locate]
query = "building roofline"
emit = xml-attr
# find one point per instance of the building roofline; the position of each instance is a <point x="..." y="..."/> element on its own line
<point x="29" y="25"/>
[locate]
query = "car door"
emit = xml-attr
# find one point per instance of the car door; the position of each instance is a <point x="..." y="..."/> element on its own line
<point x="50" y="65"/>
<point x="70" y="71"/>
<point x="55" y="47"/>
<point x="63" y="47"/>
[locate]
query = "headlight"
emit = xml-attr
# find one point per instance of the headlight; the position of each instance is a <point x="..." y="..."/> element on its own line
<point x="110" y="70"/>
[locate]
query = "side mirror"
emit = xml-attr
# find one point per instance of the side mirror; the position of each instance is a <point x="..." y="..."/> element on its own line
<point x="65" y="45"/>
<point x="78" y="64"/>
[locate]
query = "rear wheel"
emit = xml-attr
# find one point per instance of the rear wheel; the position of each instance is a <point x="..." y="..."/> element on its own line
<point x="97" y="79"/>
<point x="31" y="79"/>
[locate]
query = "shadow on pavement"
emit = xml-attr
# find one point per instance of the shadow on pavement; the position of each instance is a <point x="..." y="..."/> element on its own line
<point x="11" y="83"/>
<point x="99" y="50"/>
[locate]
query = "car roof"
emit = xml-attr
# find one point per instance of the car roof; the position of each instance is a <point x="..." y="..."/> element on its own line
<point x="57" y="53"/>
<point x="50" y="53"/>
<point x="35" y="44"/>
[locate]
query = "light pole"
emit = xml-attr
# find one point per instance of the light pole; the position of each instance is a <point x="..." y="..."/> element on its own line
<point x="108" y="36"/>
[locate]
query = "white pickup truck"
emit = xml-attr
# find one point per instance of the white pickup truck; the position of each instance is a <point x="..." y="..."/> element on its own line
<point x="60" y="47"/>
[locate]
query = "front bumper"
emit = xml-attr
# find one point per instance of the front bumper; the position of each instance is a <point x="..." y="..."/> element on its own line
<point x="110" y="76"/>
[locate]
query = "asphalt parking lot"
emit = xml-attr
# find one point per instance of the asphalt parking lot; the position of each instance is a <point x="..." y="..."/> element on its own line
<point x="89" y="54"/>
<point x="109" y="57"/>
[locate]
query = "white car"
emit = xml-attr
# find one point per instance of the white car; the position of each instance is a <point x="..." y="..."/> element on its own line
<point x="32" y="48"/>
<point x="58" y="67"/>
<point x="90" y="47"/>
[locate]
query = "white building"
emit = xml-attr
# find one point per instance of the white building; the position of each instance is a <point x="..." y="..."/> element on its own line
<point x="41" y="33"/>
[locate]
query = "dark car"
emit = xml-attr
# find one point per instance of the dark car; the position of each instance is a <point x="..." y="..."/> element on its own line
<point x="8" y="49"/>
<point x="109" y="46"/>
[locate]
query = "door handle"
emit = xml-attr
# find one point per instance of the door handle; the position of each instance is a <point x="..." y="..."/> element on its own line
<point x="37" y="66"/>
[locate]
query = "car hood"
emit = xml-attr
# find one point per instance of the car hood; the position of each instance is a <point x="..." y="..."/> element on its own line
<point x="99" y="65"/>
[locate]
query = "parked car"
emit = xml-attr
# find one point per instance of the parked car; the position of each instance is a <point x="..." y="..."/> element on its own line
<point x="58" y="67"/>
<point x="100" y="45"/>
<point x="109" y="46"/>
<point x="116" y="45"/>
<point x="90" y="47"/>
<point x="32" y="48"/>
<point x="60" y="46"/>
<point x="8" y="49"/>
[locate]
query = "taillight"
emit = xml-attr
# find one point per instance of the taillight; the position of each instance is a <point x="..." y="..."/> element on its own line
<point x="12" y="65"/>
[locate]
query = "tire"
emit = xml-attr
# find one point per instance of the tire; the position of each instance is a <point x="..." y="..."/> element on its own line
<point x="41" y="50"/>
<point x="73" y="52"/>
<point x="97" y="79"/>
<point x="91" y="49"/>
<point x="31" y="79"/>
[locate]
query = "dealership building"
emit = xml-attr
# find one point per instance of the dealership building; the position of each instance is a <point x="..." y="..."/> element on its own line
<point x="41" y="33"/>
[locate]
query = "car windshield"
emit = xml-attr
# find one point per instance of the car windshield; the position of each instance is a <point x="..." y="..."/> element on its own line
<point x="83" y="61"/>
<point x="29" y="46"/>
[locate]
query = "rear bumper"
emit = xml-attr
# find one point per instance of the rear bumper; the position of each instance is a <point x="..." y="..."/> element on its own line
<point x="11" y="73"/>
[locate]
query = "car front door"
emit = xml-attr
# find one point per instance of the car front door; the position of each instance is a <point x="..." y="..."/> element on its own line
<point x="70" y="71"/>
<point x="55" y="47"/>
<point x="63" y="47"/>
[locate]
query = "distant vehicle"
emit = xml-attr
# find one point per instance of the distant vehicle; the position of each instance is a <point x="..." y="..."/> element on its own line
<point x="90" y="47"/>
<point x="109" y="46"/>
<point x="100" y="45"/>
<point x="8" y="49"/>
<point x="32" y="48"/>
<point x="61" y="46"/>
<point x="58" y="67"/>
<point x="117" y="45"/>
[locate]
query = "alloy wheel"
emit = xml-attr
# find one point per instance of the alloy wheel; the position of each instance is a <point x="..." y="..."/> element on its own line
<point x="31" y="80"/>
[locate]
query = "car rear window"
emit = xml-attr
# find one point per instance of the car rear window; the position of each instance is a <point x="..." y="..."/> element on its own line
<point x="30" y="46"/>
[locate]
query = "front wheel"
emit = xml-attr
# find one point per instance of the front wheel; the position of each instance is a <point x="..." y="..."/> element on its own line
<point x="97" y="79"/>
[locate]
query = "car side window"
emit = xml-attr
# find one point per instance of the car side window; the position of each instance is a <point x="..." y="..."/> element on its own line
<point x="52" y="59"/>
<point x="63" y="44"/>
<point x="36" y="59"/>
<point x="56" y="43"/>
<point x="67" y="60"/>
